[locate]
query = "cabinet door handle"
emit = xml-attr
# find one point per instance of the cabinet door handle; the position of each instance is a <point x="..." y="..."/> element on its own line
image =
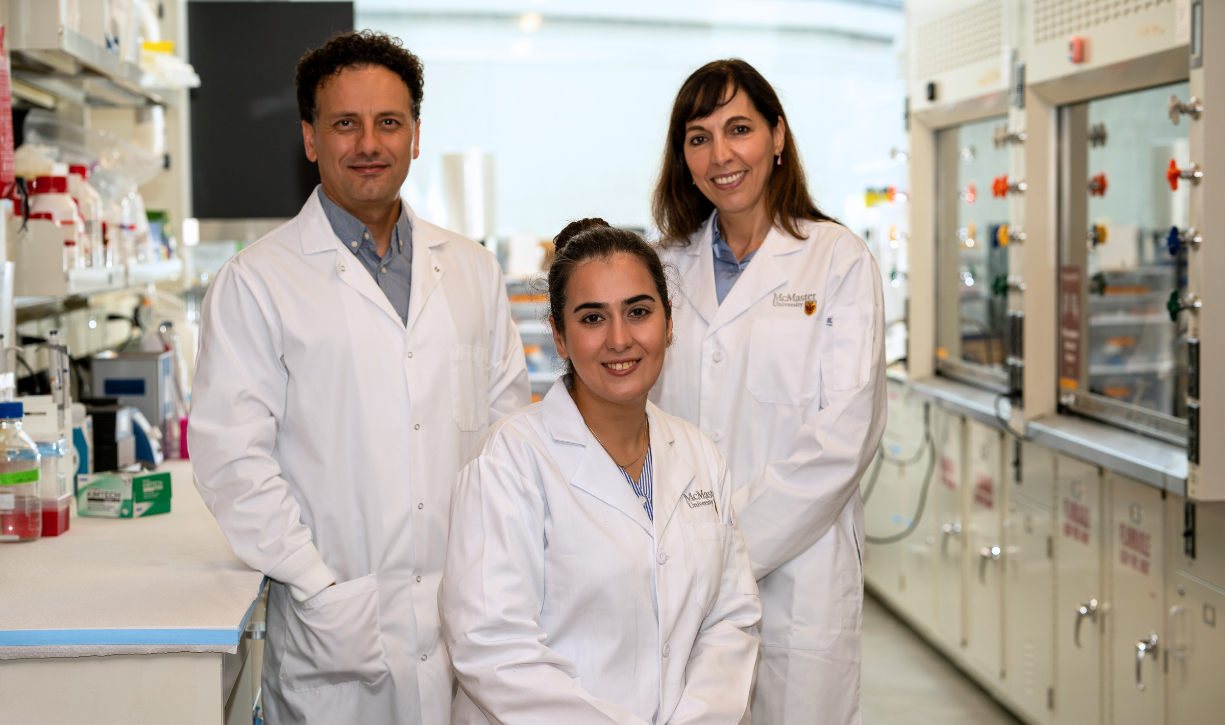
<point x="948" y="530"/>
<point x="1088" y="609"/>
<point x="986" y="554"/>
<point x="1144" y="648"/>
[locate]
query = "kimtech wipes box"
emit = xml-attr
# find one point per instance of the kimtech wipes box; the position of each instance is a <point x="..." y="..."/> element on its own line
<point x="123" y="495"/>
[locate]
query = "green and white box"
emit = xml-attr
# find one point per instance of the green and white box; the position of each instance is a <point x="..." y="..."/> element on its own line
<point x="123" y="495"/>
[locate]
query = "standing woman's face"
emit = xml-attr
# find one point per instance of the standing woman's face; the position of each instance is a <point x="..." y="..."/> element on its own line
<point x="730" y="154"/>
<point x="616" y="329"/>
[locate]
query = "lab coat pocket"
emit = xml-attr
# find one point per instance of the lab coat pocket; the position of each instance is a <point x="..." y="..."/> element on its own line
<point x="708" y="541"/>
<point x="470" y="386"/>
<point x="781" y="368"/>
<point x="333" y="637"/>
<point x="846" y="354"/>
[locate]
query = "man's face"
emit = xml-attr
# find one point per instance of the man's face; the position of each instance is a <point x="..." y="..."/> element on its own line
<point x="364" y="136"/>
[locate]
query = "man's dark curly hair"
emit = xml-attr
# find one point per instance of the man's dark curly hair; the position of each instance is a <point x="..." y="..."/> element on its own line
<point x="356" y="49"/>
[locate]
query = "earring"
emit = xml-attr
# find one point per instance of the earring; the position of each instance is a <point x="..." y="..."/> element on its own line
<point x="778" y="159"/>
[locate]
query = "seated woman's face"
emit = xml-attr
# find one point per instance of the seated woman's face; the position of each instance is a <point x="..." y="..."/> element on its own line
<point x="615" y="329"/>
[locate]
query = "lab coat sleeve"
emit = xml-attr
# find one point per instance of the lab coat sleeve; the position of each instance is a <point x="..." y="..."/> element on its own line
<point x="238" y="397"/>
<point x="509" y="388"/>
<point x="490" y="599"/>
<point x="720" y="672"/>
<point x="791" y="504"/>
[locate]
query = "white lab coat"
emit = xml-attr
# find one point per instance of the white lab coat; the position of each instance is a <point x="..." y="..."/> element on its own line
<point x="563" y="603"/>
<point x="788" y="377"/>
<point x="325" y="436"/>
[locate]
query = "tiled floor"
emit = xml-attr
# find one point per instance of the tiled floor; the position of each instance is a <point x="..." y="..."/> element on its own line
<point x="905" y="682"/>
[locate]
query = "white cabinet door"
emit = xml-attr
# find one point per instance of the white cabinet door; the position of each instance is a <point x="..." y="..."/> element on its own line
<point x="917" y="552"/>
<point x="1080" y="532"/>
<point x="1197" y="651"/>
<point x="948" y="508"/>
<point x="984" y="468"/>
<point x="1136" y="608"/>
<point x="884" y="487"/>
<point x="1029" y="580"/>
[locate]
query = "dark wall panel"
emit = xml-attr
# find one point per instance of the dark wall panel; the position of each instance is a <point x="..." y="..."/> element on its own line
<point x="246" y="139"/>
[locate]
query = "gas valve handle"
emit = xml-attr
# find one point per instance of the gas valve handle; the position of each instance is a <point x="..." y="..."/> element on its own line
<point x="1001" y="187"/>
<point x="1144" y="648"/>
<point x="1175" y="304"/>
<point x="1175" y="239"/>
<point x="1192" y="173"/>
<point x="1177" y="108"/>
<point x="1088" y="609"/>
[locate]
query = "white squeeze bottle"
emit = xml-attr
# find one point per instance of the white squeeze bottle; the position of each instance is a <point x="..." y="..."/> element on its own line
<point x="21" y="514"/>
<point x="90" y="204"/>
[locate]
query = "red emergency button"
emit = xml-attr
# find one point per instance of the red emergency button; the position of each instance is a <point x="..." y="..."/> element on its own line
<point x="1076" y="49"/>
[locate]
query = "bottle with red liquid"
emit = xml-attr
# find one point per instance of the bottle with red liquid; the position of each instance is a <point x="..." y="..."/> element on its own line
<point x="21" y="512"/>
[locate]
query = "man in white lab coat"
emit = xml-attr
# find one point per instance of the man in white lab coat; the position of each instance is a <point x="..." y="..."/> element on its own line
<point x="348" y="362"/>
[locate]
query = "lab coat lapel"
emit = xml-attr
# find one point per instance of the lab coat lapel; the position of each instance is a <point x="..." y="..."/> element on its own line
<point x="697" y="273"/>
<point x="672" y="472"/>
<point x="595" y="473"/>
<point x="318" y="236"/>
<point x="763" y="276"/>
<point x="428" y="269"/>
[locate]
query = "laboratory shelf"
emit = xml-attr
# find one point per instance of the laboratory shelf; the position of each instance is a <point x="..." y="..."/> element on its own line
<point x="89" y="282"/>
<point x="66" y="65"/>
<point x="165" y="583"/>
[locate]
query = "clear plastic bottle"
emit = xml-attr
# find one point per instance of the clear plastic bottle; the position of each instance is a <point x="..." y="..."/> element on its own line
<point x="20" y="499"/>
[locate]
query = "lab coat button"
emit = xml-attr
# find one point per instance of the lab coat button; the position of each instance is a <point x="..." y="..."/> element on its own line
<point x="416" y="426"/>
<point x="423" y="658"/>
<point x="662" y="558"/>
<point x="718" y="356"/>
<point x="420" y="505"/>
<point x="418" y="579"/>
<point x="716" y="436"/>
<point x="667" y="650"/>
<point x="410" y="354"/>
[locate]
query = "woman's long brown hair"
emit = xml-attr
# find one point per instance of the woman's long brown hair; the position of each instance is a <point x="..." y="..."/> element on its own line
<point x="678" y="206"/>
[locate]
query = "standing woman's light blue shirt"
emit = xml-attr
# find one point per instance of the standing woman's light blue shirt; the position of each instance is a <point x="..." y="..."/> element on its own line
<point x="727" y="268"/>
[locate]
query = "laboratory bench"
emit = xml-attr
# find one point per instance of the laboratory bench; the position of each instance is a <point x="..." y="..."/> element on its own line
<point x="131" y="620"/>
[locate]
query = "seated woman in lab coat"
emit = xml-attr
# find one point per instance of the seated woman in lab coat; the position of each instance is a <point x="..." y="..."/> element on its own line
<point x="595" y="572"/>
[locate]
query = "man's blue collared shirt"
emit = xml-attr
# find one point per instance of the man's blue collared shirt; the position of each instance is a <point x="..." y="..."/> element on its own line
<point x="727" y="268"/>
<point x="393" y="272"/>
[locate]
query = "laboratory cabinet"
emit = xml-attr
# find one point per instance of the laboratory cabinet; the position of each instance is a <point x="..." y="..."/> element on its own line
<point x="987" y="502"/>
<point x="1029" y="580"/>
<point x="171" y="631"/>
<point x="1136" y="618"/>
<point x="1194" y="597"/>
<point x="946" y="505"/>
<point x="897" y="479"/>
<point x="1080" y="594"/>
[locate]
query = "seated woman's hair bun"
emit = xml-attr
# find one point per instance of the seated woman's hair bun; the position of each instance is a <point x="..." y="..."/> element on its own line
<point x="575" y="228"/>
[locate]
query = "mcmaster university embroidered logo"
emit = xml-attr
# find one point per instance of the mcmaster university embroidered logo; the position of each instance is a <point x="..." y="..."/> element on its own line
<point x="699" y="498"/>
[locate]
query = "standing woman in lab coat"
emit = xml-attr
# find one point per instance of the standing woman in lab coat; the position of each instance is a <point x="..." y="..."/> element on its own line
<point x="595" y="573"/>
<point x="779" y="357"/>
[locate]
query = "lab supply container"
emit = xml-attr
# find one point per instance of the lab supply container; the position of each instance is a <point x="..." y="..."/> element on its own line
<point x="123" y="495"/>
<point x="54" y="491"/>
<point x="49" y="199"/>
<point x="90" y="203"/>
<point x="20" y="499"/>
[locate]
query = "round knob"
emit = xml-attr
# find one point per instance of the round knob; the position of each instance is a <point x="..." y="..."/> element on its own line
<point x="1098" y="185"/>
<point x="1173" y="241"/>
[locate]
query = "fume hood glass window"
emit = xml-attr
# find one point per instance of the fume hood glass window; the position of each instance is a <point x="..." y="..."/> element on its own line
<point x="1135" y="258"/>
<point x="973" y="253"/>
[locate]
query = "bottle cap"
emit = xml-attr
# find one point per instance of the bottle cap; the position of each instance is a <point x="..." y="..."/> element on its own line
<point x="49" y="185"/>
<point x="12" y="410"/>
<point x="79" y="169"/>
